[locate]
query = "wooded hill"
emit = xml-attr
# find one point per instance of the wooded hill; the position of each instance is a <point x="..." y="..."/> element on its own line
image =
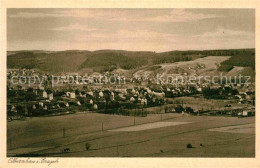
<point x="108" y="60"/>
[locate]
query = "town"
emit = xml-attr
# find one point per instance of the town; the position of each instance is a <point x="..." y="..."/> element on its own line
<point x="134" y="97"/>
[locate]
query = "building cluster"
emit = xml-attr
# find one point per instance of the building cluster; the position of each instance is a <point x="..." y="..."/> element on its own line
<point x="46" y="99"/>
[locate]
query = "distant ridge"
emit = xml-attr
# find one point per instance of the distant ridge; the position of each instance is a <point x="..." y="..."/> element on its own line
<point x="109" y="60"/>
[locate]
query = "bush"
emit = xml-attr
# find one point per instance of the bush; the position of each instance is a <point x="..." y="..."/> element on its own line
<point x="87" y="146"/>
<point x="179" y="109"/>
<point x="225" y="68"/>
<point x="189" y="146"/>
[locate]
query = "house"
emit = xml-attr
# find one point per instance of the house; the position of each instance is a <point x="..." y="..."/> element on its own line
<point x="101" y="94"/>
<point x="41" y="88"/>
<point x="67" y="104"/>
<point x="112" y="96"/>
<point x="35" y="91"/>
<point x="95" y="107"/>
<point x="121" y="95"/>
<point x="13" y="108"/>
<point x="62" y="104"/>
<point x="144" y="101"/>
<point x="50" y="96"/>
<point x="121" y="90"/>
<point x="44" y="94"/>
<point x="90" y="93"/>
<point x="148" y="90"/>
<point x="158" y="94"/>
<point x="132" y="99"/>
<point x="71" y="95"/>
<point x="133" y="91"/>
<point x="41" y="104"/>
<point x="199" y="89"/>
<point x="246" y="113"/>
<point x="238" y="97"/>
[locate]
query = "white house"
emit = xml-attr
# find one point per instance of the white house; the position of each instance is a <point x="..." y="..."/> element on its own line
<point x="144" y="101"/>
<point x="90" y="93"/>
<point x="101" y="94"/>
<point x="41" y="104"/>
<point x="67" y="104"/>
<point x="158" y="94"/>
<point x="95" y="107"/>
<point x="112" y="96"/>
<point x="44" y="94"/>
<point x="91" y="101"/>
<point x="71" y="95"/>
<point x="132" y="99"/>
<point x="50" y="96"/>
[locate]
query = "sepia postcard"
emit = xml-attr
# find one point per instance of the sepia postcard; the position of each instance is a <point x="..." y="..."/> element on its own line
<point x="115" y="84"/>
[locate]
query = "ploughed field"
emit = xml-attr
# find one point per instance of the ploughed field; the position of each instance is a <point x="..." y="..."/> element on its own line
<point x="156" y="135"/>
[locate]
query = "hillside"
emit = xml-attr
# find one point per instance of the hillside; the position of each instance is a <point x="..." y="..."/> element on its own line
<point x="22" y="60"/>
<point x="205" y="66"/>
<point x="133" y="61"/>
<point x="64" y="61"/>
<point x="110" y="60"/>
<point x="99" y="61"/>
<point x="241" y="60"/>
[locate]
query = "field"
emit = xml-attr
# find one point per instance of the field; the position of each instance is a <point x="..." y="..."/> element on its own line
<point x="166" y="135"/>
<point x="201" y="66"/>
<point x="200" y="103"/>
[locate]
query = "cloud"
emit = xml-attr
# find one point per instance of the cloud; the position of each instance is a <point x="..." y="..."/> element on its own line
<point x="74" y="27"/>
<point x="54" y="13"/>
<point x="144" y="34"/>
<point x="227" y="32"/>
<point x="127" y="36"/>
<point x="34" y="15"/>
<point x="127" y="29"/>
<point x="175" y="15"/>
<point x="181" y="15"/>
<point x="221" y="39"/>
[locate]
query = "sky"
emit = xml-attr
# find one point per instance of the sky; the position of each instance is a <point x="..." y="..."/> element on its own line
<point x="130" y="29"/>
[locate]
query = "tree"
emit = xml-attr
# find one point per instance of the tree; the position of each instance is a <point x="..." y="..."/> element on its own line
<point x="19" y="87"/>
<point x="11" y="93"/>
<point x="77" y="91"/>
<point x="20" y="110"/>
<point x="189" y="110"/>
<point x="83" y="92"/>
<point x="179" y="109"/>
<point x="30" y="89"/>
<point x="49" y="91"/>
